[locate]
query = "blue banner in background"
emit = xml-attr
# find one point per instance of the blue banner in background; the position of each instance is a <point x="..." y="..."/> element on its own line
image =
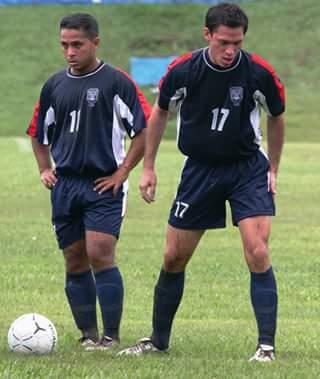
<point x="149" y="70"/>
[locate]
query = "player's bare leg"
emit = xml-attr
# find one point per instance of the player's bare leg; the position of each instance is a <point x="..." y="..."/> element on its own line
<point x="81" y="291"/>
<point x="168" y="292"/>
<point x="255" y="233"/>
<point x="101" y="252"/>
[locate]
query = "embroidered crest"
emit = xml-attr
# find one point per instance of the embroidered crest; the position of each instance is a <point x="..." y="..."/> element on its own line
<point x="92" y="96"/>
<point x="236" y="95"/>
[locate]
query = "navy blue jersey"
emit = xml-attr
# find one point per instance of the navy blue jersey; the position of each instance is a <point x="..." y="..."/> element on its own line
<point x="218" y="108"/>
<point x="85" y="119"/>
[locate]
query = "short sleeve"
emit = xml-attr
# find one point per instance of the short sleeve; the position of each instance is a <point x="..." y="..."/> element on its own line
<point x="132" y="108"/>
<point x="173" y="85"/>
<point x="270" y="90"/>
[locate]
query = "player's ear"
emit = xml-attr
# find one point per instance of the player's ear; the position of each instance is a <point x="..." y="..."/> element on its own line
<point x="96" y="41"/>
<point x="207" y="34"/>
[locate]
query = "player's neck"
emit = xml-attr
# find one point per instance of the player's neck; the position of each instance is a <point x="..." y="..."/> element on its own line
<point x="216" y="64"/>
<point x="92" y="66"/>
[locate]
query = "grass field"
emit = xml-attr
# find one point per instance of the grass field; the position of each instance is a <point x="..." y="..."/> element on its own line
<point x="286" y="32"/>
<point x="214" y="333"/>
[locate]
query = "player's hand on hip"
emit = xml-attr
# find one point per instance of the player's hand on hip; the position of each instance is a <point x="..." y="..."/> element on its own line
<point x="48" y="178"/>
<point x="148" y="183"/>
<point x="113" y="181"/>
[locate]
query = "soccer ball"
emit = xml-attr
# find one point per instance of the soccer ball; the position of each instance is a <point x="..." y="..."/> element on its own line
<point x="32" y="334"/>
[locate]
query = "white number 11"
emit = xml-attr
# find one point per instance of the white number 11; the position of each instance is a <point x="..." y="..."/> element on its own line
<point x="75" y="120"/>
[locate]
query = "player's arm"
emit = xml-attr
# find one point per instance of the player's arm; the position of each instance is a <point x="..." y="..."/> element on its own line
<point x="133" y="157"/>
<point x="172" y="89"/>
<point x="133" y="113"/>
<point x="275" y="139"/>
<point x="272" y="100"/>
<point x="42" y="155"/>
<point x="156" y="126"/>
<point x="41" y="152"/>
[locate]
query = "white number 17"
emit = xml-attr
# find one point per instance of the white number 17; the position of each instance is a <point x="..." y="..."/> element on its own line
<point x="181" y="209"/>
<point x="216" y="123"/>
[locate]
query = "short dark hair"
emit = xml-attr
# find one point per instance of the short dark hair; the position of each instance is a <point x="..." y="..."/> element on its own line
<point x="81" y="21"/>
<point x="227" y="14"/>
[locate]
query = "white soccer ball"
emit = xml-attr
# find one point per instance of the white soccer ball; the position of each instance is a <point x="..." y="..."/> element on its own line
<point x="32" y="334"/>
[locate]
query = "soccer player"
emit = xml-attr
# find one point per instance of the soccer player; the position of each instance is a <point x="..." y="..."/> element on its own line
<point x="218" y="92"/>
<point x="81" y="120"/>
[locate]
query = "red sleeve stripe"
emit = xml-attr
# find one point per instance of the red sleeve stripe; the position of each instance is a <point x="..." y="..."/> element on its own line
<point x="174" y="63"/>
<point x="257" y="59"/>
<point x="142" y="99"/>
<point x="32" y="129"/>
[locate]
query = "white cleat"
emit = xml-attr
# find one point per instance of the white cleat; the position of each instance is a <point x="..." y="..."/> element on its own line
<point x="106" y="343"/>
<point x="143" y="346"/>
<point x="88" y="343"/>
<point x="264" y="353"/>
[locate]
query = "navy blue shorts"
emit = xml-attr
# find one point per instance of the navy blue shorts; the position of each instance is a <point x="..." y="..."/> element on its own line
<point x="77" y="208"/>
<point x="200" y="201"/>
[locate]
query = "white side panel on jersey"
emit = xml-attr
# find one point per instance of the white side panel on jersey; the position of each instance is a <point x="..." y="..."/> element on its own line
<point x="125" y="189"/>
<point x="255" y="123"/>
<point x="175" y="104"/>
<point x="259" y="96"/>
<point x="118" y="134"/>
<point x="123" y="112"/>
<point x="48" y="121"/>
<point x="177" y="99"/>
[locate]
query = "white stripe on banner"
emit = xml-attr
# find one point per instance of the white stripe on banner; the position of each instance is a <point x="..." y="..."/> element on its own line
<point x="24" y="144"/>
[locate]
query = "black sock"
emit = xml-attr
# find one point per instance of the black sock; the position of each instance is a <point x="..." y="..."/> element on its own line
<point x="264" y="300"/>
<point x="167" y="297"/>
<point x="110" y="294"/>
<point x="81" y="294"/>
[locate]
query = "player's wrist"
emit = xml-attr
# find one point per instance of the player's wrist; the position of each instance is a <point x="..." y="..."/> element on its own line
<point x="43" y="169"/>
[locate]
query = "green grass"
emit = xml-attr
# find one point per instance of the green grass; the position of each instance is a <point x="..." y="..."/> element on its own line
<point x="285" y="32"/>
<point x="214" y="331"/>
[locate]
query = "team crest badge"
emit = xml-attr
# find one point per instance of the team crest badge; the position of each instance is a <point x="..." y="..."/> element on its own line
<point x="236" y="95"/>
<point x="92" y="96"/>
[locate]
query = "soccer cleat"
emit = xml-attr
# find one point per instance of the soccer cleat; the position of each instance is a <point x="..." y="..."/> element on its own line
<point x="107" y="343"/>
<point x="145" y="345"/>
<point x="88" y="343"/>
<point x="264" y="353"/>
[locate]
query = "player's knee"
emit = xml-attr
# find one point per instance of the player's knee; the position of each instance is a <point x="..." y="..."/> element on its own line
<point x="75" y="258"/>
<point x="74" y="264"/>
<point x="258" y="257"/>
<point x="101" y="262"/>
<point x="101" y="257"/>
<point x="174" y="262"/>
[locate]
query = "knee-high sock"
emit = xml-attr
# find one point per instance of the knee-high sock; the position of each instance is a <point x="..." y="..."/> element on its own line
<point x="167" y="297"/>
<point x="264" y="300"/>
<point x="110" y="294"/>
<point x="81" y="294"/>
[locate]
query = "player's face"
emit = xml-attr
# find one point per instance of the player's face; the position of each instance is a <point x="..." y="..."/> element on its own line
<point x="224" y="44"/>
<point x="79" y="50"/>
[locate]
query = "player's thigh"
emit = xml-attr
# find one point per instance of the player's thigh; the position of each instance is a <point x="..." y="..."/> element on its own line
<point x="249" y="193"/>
<point x="200" y="201"/>
<point x="104" y="212"/>
<point x="100" y="249"/>
<point x="103" y="216"/>
<point x="66" y="212"/>
<point x="255" y="231"/>
<point x="182" y="241"/>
